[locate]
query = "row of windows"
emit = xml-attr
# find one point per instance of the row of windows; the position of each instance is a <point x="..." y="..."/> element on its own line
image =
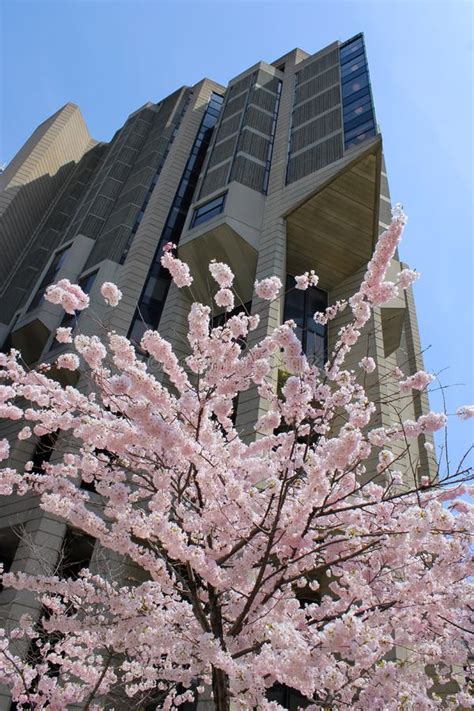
<point x="357" y="106"/>
<point x="154" y="181"/>
<point x="153" y="296"/>
<point x="351" y="47"/>
<point x="268" y="162"/>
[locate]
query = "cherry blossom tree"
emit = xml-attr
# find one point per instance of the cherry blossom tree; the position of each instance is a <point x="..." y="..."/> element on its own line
<point x="312" y="555"/>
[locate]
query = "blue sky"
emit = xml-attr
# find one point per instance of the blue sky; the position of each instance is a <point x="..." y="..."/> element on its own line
<point x="111" y="57"/>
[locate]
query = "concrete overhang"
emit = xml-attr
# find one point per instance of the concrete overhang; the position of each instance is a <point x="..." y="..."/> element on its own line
<point x="333" y="229"/>
<point x="231" y="237"/>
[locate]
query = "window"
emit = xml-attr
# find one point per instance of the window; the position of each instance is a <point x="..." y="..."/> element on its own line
<point x="76" y="553"/>
<point x="56" y="264"/>
<point x="287" y="697"/>
<point x="300" y="306"/>
<point x="357" y="106"/>
<point x="153" y="296"/>
<point x="43" y="451"/>
<point x="8" y="545"/>
<point x="208" y="210"/>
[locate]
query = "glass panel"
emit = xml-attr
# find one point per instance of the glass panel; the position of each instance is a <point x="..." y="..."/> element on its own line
<point x="357" y="108"/>
<point x="361" y="71"/>
<point x="217" y="202"/>
<point x="352" y="68"/>
<point x="359" y="120"/>
<point x="294" y="304"/>
<point x="199" y="219"/>
<point x="156" y="288"/>
<point x="158" y="281"/>
<point x="357" y="96"/>
<point x="208" y="210"/>
<point x="356" y="85"/>
<point x="360" y="129"/>
<point x="353" y="57"/>
<point x="361" y="137"/>
<point x="317" y="300"/>
<point x="349" y="49"/>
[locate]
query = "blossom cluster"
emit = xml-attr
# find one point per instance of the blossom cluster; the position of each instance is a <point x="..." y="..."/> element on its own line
<point x="70" y="296"/>
<point x="305" y="552"/>
<point x="111" y="293"/>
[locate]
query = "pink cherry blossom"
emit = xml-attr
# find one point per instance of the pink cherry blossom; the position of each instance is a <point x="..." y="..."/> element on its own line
<point x="179" y="270"/>
<point x="111" y="293"/>
<point x="302" y="547"/>
<point x="68" y="361"/>
<point x="465" y="412"/>
<point x="69" y="296"/>
<point x="4" y="449"/>
<point x="24" y="433"/>
<point x="222" y="273"/>
<point x="418" y="381"/>
<point x="407" y="277"/>
<point x="304" y="281"/>
<point x="268" y="288"/>
<point x="225" y="299"/>
<point x="63" y="335"/>
<point x="368" y="364"/>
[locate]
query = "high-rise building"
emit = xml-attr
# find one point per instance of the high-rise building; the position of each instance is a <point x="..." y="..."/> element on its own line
<point x="280" y="172"/>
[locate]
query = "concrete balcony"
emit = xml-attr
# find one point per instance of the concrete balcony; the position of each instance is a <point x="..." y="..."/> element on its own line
<point x="333" y="229"/>
<point x="231" y="237"/>
<point x="35" y="326"/>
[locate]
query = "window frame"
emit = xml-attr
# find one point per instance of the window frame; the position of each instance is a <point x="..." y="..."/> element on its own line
<point x="207" y="210"/>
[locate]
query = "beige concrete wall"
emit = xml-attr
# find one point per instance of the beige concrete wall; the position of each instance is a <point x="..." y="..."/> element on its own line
<point x="34" y="177"/>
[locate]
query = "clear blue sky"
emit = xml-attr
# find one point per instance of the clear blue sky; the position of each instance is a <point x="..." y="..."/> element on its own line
<point x="111" y="57"/>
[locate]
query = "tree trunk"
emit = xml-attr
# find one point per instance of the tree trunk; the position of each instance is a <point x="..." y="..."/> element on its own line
<point x="220" y="690"/>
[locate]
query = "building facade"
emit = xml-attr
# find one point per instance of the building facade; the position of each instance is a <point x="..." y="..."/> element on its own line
<point x="277" y="173"/>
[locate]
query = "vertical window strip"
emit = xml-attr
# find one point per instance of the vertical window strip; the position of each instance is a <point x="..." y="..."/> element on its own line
<point x="353" y="86"/>
<point x="268" y="163"/>
<point x="154" y="180"/>
<point x="154" y="292"/>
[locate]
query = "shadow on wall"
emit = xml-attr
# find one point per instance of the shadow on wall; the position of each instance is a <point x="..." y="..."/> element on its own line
<point x="32" y="227"/>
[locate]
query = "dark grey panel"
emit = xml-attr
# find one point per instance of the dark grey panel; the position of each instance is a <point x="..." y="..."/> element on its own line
<point x="315" y="158"/>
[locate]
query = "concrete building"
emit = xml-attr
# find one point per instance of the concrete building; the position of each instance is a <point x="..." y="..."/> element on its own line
<point x="280" y="172"/>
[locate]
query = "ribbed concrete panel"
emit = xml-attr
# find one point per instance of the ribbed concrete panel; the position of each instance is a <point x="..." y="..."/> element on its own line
<point x="317" y="105"/>
<point x="49" y="234"/>
<point x="317" y="65"/>
<point x="33" y="180"/>
<point x="319" y="83"/>
<point x="315" y="130"/>
<point x="248" y="172"/>
<point x="215" y="178"/>
<point x="123" y="214"/>
<point x="222" y="151"/>
<point x="315" y="158"/>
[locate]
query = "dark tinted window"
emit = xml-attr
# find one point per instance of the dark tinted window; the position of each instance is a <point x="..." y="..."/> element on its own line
<point x="208" y="210"/>
<point x="300" y="306"/>
<point x="358" y="113"/>
<point x="43" y="451"/>
<point x="149" y="306"/>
